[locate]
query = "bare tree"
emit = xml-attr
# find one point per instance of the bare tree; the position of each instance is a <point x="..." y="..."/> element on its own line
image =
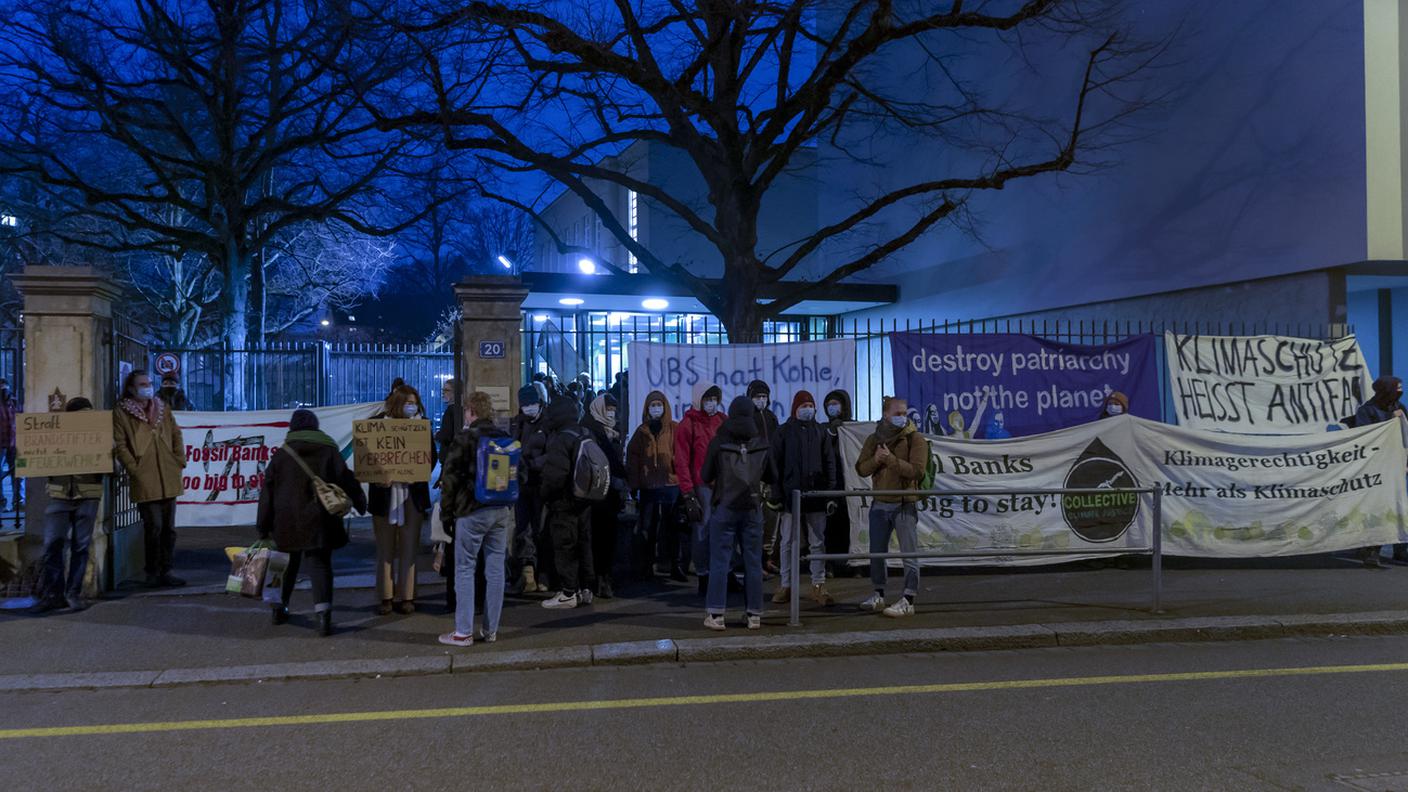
<point x="744" y="90"/>
<point x="207" y="128"/>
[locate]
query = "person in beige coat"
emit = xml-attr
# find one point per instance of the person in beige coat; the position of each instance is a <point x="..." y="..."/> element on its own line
<point x="148" y="443"/>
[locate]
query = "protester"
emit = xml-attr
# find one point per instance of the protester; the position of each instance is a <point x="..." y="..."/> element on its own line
<point x="1115" y="404"/>
<point x="532" y="548"/>
<point x="838" y="515"/>
<point x="8" y="409"/>
<point x="568" y="515"/>
<point x="398" y="511"/>
<point x="692" y="438"/>
<point x="805" y="460"/>
<point x="172" y="394"/>
<point x="68" y="520"/>
<point x="451" y="422"/>
<point x="1386" y="405"/>
<point x="761" y="395"/>
<point x="147" y="442"/>
<point x="650" y="473"/>
<point x="292" y="515"/>
<point x="585" y="391"/>
<point x="737" y="464"/>
<point x="605" y="514"/>
<point x="477" y="524"/>
<point x="894" y="457"/>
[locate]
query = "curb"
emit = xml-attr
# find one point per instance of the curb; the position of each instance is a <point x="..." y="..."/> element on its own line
<point x="734" y="648"/>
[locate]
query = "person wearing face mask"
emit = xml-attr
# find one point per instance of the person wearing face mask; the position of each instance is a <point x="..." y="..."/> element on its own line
<point x="894" y="457"/>
<point x="805" y="460"/>
<point x="147" y="442"/>
<point x="9" y="408"/>
<point x="1115" y="404"/>
<point x="760" y="393"/>
<point x="650" y="472"/>
<point x="605" y="514"/>
<point x="172" y="394"/>
<point x="532" y="548"/>
<point x="698" y="426"/>
<point x="398" y="511"/>
<point x="838" y="515"/>
<point x="1386" y="405"/>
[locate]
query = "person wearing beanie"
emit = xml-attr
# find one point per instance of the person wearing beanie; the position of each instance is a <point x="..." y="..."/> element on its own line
<point x="600" y="421"/>
<point x="650" y="473"/>
<point x="1115" y="404"/>
<point x="292" y="516"/>
<point x="532" y="549"/>
<point x="568" y="516"/>
<point x="68" y="520"/>
<point x="805" y="460"/>
<point x="761" y="395"/>
<point x="737" y="464"/>
<point x="692" y="437"/>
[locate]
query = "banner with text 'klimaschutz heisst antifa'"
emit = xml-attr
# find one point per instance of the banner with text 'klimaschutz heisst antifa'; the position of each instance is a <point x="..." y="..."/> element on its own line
<point x="227" y="452"/>
<point x="997" y="385"/>
<point x="1224" y="496"/>
<point x="675" y="369"/>
<point x="1265" y="384"/>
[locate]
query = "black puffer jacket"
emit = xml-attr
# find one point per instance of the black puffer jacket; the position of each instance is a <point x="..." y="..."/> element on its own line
<point x="532" y="435"/>
<point x="563" y="432"/>
<point x="289" y="511"/>
<point x="805" y="460"/>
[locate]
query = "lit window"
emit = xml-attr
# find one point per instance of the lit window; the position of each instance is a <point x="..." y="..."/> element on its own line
<point x="9" y="220"/>
<point x="633" y="226"/>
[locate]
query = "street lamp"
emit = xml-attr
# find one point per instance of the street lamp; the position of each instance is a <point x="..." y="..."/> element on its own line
<point x="508" y="265"/>
<point x="587" y="266"/>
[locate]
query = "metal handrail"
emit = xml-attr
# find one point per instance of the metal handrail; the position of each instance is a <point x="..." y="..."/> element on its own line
<point x="1155" y="547"/>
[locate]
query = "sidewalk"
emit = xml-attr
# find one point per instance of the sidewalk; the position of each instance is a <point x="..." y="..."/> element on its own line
<point x="185" y="629"/>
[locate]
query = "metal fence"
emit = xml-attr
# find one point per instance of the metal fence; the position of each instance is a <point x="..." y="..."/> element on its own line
<point x="128" y="349"/>
<point x="12" y="370"/>
<point x="599" y="343"/>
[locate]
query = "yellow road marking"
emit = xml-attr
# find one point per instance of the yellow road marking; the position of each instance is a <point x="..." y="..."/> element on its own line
<point x="686" y="701"/>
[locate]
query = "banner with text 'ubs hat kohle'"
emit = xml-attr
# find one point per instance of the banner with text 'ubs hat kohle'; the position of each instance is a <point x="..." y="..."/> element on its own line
<point x="1224" y="495"/>
<point x="1265" y="384"/>
<point x="227" y="453"/>
<point x="817" y="367"/>
<point x="997" y="385"/>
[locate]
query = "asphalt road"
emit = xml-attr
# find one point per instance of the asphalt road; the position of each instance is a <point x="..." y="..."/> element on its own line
<point x="1288" y="714"/>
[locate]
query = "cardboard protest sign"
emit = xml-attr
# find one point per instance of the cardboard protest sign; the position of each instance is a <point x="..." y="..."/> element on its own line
<point x="674" y="369"/>
<point x="386" y="450"/>
<point x="997" y="385"/>
<point x="227" y="453"/>
<point x="63" y="443"/>
<point x="1265" y="384"/>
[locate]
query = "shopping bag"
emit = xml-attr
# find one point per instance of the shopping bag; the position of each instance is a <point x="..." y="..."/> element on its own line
<point x="274" y="572"/>
<point x="247" y="571"/>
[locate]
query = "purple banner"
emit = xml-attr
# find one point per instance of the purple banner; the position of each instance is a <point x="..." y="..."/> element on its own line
<point x="998" y="385"/>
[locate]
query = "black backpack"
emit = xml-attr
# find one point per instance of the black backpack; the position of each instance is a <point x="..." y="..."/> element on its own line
<point x="739" y="480"/>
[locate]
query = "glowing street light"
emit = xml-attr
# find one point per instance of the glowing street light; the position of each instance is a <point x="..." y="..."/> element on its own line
<point x="504" y="261"/>
<point x="587" y="266"/>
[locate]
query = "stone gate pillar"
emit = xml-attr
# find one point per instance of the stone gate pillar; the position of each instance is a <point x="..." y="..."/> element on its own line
<point x="491" y="323"/>
<point x="67" y="323"/>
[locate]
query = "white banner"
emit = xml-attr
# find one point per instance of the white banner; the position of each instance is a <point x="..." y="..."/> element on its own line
<point x="1224" y="495"/>
<point x="1265" y="384"/>
<point x="227" y="452"/>
<point x="674" y="369"/>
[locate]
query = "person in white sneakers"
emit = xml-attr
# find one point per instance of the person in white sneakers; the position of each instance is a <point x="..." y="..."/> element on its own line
<point x="894" y="457"/>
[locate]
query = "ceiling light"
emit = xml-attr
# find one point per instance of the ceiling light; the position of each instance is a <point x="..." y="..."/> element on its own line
<point x="654" y="304"/>
<point x="540" y="318"/>
<point x="571" y="301"/>
<point x="587" y="266"/>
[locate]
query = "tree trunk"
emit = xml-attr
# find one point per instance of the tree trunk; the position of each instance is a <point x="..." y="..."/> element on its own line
<point x="234" y="298"/>
<point x="742" y="316"/>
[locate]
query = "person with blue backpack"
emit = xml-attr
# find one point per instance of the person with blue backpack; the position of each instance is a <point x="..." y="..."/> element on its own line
<point x="479" y="484"/>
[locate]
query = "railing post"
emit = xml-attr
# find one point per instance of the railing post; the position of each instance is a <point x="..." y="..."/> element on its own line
<point x="795" y="561"/>
<point x="1158" y="543"/>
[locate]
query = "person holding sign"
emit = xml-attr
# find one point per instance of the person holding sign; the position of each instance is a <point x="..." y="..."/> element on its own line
<point x="68" y="519"/>
<point x="480" y="484"/>
<point x="1386" y="405"/>
<point x="148" y="443"/>
<point x="291" y="513"/>
<point x="398" y="509"/>
<point x="894" y="458"/>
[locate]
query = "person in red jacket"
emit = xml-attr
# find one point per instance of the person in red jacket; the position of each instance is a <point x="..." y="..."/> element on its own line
<point x="698" y="426"/>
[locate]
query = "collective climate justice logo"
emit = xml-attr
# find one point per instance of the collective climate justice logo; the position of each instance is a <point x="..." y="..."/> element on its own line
<point x="1100" y="517"/>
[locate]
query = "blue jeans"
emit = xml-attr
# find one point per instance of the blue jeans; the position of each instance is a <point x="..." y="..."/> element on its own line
<point x="71" y="522"/>
<point x="903" y="520"/>
<point x="728" y="529"/>
<point x="489" y="528"/>
<point x="701" y="530"/>
<point x="814" y="539"/>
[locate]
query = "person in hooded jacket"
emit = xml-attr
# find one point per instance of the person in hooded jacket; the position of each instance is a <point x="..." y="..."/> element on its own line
<point x="692" y="437"/>
<point x="838" y="516"/>
<point x="568" y="516"/>
<point x="1386" y="405"/>
<point x="605" y="514"/>
<point x="650" y="473"/>
<point x="1115" y="404"/>
<point x="805" y="460"/>
<point x="894" y="457"/>
<point x="532" y="547"/>
<point x="760" y="393"/>
<point x="291" y="514"/>
<point x="737" y="464"/>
